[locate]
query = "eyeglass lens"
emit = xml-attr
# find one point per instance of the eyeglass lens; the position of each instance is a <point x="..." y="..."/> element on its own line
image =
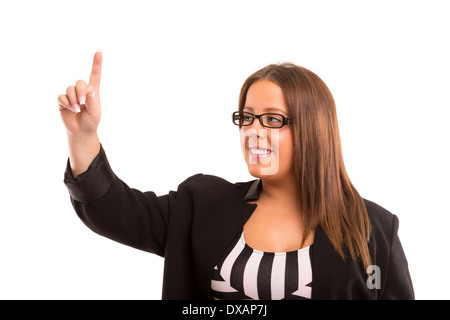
<point x="271" y="120"/>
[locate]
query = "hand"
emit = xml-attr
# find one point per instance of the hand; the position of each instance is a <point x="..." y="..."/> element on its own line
<point x="80" y="106"/>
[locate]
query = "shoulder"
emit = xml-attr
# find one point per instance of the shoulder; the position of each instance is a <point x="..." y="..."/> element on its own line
<point x="384" y="226"/>
<point x="380" y="217"/>
<point x="211" y="186"/>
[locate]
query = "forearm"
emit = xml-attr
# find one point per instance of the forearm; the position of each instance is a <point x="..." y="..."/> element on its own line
<point x="82" y="151"/>
<point x="109" y="207"/>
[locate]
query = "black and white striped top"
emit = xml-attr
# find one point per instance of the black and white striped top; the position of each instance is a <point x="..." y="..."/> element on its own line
<point x="246" y="273"/>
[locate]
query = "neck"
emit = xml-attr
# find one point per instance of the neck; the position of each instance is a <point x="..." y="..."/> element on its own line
<point x="285" y="190"/>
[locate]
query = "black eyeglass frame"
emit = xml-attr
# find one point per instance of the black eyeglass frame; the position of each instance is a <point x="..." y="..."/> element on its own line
<point x="286" y="121"/>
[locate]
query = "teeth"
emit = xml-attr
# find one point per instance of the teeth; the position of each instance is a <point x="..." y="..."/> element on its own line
<point x="259" y="151"/>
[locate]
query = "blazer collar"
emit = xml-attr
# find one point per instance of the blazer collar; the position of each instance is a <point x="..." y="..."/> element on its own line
<point x="254" y="191"/>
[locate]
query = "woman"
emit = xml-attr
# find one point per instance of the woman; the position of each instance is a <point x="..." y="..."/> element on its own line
<point x="299" y="231"/>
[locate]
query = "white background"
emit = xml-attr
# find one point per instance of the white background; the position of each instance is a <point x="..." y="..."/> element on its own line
<point x="172" y="71"/>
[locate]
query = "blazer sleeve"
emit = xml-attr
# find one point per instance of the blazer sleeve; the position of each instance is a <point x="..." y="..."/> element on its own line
<point x="109" y="207"/>
<point x="398" y="284"/>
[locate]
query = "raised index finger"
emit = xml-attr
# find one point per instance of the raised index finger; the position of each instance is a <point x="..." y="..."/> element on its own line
<point x="96" y="71"/>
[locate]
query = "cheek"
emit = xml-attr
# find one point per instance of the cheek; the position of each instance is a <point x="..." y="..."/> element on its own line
<point x="243" y="138"/>
<point x="286" y="148"/>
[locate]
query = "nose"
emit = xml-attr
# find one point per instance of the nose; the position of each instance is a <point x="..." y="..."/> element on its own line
<point x="258" y="130"/>
<point x="256" y="135"/>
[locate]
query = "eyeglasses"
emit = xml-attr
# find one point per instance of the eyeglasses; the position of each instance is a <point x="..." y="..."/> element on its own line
<point x="269" y="120"/>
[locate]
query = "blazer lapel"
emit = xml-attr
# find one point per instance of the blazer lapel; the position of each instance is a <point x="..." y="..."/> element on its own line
<point x="324" y="266"/>
<point x="228" y="223"/>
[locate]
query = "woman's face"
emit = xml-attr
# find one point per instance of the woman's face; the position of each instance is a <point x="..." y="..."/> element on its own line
<point x="268" y="152"/>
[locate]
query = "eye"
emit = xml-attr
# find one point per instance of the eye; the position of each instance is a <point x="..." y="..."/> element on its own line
<point x="274" y="119"/>
<point x="247" y="118"/>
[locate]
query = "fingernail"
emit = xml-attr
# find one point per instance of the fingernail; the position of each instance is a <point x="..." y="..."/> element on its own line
<point x="82" y="100"/>
<point x="76" y="107"/>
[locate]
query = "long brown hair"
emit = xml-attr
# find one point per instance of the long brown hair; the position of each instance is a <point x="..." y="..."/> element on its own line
<point x="328" y="198"/>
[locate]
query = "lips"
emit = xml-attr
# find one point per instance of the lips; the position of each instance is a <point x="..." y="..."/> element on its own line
<point x="256" y="153"/>
<point x="259" y="151"/>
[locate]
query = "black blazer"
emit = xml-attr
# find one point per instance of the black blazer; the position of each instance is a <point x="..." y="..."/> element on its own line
<point x="191" y="228"/>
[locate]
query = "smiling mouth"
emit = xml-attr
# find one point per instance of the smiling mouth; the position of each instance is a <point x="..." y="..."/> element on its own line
<point x="259" y="152"/>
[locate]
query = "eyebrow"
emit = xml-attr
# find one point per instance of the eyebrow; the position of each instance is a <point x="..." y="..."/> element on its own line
<point x="269" y="109"/>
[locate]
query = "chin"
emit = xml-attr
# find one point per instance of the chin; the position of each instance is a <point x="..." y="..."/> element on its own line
<point x="264" y="172"/>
